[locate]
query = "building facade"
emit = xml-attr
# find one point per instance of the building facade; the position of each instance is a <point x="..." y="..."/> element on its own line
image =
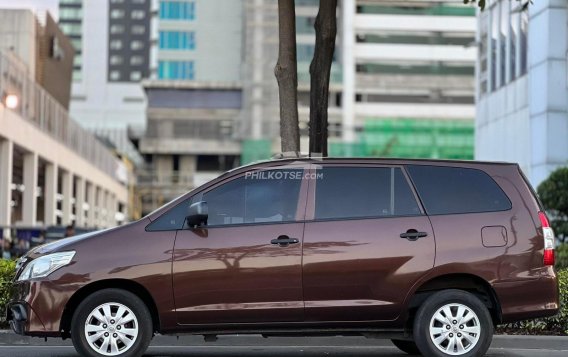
<point x="522" y="90"/>
<point x="43" y="50"/>
<point x="112" y="40"/>
<point x="52" y="172"/>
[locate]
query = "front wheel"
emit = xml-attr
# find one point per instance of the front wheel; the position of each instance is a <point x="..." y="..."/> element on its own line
<point x="111" y="322"/>
<point x="453" y="323"/>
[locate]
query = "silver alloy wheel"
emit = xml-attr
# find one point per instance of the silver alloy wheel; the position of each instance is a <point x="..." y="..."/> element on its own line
<point x="455" y="329"/>
<point x="111" y="329"/>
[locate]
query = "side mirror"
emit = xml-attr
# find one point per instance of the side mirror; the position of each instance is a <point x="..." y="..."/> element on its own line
<point x="197" y="214"/>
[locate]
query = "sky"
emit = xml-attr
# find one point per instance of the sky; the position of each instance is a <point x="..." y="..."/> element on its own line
<point x="39" y="5"/>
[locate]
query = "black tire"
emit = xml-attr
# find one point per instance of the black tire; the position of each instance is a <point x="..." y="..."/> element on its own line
<point x="433" y="304"/>
<point x="406" y="346"/>
<point x="129" y="300"/>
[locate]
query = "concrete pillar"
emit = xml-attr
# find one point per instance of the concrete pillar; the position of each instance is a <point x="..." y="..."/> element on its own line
<point x="50" y="193"/>
<point x="92" y="199"/>
<point x="100" y="208"/>
<point x="79" y="202"/>
<point x="29" y="207"/>
<point x="67" y="192"/>
<point x="187" y="168"/>
<point x="6" y="165"/>
<point x="348" y="63"/>
<point x="164" y="168"/>
<point x="112" y="210"/>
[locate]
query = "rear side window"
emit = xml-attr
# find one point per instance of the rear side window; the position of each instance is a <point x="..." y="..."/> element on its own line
<point x="358" y="192"/>
<point x="448" y="190"/>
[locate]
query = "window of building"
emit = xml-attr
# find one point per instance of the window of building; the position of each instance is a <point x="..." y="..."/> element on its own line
<point x="363" y="192"/>
<point x="177" y="40"/>
<point x="77" y="44"/>
<point x="116" y="60"/>
<point x="494" y="41"/>
<point x="504" y="26"/>
<point x="135" y="76"/>
<point x="68" y="13"/>
<point x="116" y="29"/>
<point x="177" y="10"/>
<point x="452" y="190"/>
<point x="139" y="1"/>
<point x="117" y="1"/>
<point x="523" y="43"/>
<point x="138" y="30"/>
<point x="117" y="13"/>
<point x="115" y="44"/>
<point x="136" y="60"/>
<point x="483" y="27"/>
<point x="255" y="198"/>
<point x="137" y="14"/>
<point x="136" y="45"/>
<point x="115" y="75"/>
<point x="70" y="29"/>
<point x="77" y="75"/>
<point x="176" y="70"/>
<point x="78" y="60"/>
<point x="70" y="2"/>
<point x="513" y="38"/>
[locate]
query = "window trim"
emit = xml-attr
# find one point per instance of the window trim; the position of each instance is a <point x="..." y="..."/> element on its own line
<point x="198" y="196"/>
<point x="460" y="213"/>
<point x="310" y="214"/>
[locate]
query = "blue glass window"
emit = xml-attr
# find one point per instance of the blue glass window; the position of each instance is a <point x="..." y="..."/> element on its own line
<point x="177" y="10"/>
<point x="176" y="70"/>
<point x="177" y="40"/>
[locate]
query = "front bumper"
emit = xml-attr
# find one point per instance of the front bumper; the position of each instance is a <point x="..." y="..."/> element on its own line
<point x="37" y="307"/>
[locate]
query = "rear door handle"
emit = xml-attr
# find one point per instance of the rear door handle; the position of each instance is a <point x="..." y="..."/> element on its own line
<point x="283" y="241"/>
<point x="413" y="234"/>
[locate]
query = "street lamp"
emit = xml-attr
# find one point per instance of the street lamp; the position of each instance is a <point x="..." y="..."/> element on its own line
<point x="11" y="101"/>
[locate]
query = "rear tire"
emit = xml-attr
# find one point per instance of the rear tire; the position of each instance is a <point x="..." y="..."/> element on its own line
<point x="111" y="322"/>
<point x="453" y="323"/>
<point x="408" y="347"/>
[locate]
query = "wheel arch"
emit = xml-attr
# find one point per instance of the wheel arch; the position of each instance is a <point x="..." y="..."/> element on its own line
<point x="461" y="281"/>
<point x="122" y="284"/>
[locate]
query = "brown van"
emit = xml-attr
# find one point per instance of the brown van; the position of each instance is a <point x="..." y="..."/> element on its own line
<point x="431" y="254"/>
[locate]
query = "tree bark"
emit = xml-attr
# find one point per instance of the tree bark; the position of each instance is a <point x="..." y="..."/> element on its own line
<point x="320" y="69"/>
<point x="287" y="76"/>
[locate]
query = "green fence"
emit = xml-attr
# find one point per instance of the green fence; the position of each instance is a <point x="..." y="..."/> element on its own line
<point x="411" y="138"/>
<point x="255" y="150"/>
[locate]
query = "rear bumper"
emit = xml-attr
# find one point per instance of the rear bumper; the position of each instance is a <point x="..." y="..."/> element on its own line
<point x="528" y="298"/>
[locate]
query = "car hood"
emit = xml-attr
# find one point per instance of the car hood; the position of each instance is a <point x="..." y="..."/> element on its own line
<point x="64" y="242"/>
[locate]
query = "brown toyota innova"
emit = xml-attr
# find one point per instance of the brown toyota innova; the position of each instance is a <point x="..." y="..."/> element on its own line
<point x="431" y="254"/>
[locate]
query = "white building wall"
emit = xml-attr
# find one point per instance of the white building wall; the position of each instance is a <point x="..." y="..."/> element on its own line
<point x="526" y="121"/>
<point x="95" y="102"/>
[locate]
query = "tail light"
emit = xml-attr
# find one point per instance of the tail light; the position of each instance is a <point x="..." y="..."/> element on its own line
<point x="548" y="235"/>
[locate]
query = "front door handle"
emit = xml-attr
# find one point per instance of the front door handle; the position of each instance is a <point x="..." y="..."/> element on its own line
<point x="413" y="234"/>
<point x="284" y="241"/>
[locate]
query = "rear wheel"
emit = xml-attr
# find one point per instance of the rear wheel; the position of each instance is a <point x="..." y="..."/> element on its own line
<point x="406" y="346"/>
<point x="111" y="322"/>
<point x="453" y="323"/>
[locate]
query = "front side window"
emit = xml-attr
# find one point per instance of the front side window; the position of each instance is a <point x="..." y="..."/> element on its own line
<point x="359" y="192"/>
<point x="173" y="219"/>
<point x="256" y="197"/>
<point x="451" y="190"/>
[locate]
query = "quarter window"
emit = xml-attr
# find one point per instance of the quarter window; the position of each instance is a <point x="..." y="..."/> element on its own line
<point x="257" y="197"/>
<point x="449" y="190"/>
<point x="358" y="192"/>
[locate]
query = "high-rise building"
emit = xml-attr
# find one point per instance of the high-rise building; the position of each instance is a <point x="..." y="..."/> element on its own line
<point x="112" y="41"/>
<point x="522" y="90"/>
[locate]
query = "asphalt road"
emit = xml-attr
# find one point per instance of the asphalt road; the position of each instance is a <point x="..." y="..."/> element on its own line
<point x="253" y="346"/>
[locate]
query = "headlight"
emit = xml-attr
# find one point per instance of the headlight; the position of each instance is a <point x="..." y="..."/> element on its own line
<point x="43" y="266"/>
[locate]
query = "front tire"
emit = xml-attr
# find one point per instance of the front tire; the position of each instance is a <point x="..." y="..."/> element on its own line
<point x="111" y="322"/>
<point x="453" y="323"/>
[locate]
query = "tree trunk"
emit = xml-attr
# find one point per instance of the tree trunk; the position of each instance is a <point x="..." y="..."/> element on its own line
<point x="320" y="69"/>
<point x="287" y="75"/>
